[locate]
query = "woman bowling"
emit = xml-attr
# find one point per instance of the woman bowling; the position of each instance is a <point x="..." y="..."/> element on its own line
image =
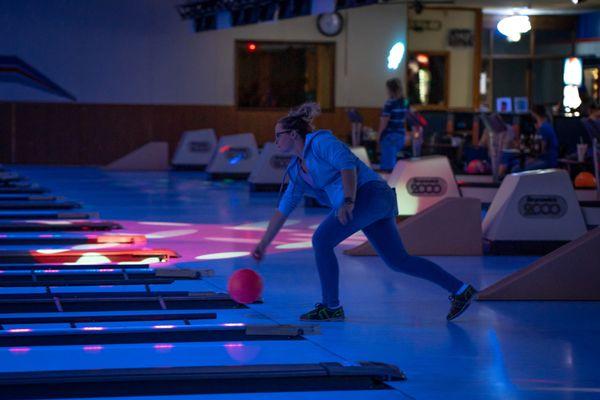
<point x="325" y="168"/>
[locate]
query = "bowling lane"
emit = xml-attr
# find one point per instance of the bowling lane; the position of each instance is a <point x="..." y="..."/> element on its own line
<point x="195" y="285"/>
<point x="148" y="355"/>
<point x="42" y="214"/>
<point x="243" y="315"/>
<point x="130" y="195"/>
<point x="346" y="395"/>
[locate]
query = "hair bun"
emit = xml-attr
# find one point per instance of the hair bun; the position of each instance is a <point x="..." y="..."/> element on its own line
<point x="307" y="111"/>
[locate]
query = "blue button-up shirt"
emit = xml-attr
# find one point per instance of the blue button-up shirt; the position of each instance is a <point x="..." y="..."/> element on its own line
<point x="325" y="157"/>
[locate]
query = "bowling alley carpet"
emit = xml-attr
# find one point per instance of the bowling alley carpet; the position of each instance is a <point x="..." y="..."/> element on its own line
<point x="496" y="350"/>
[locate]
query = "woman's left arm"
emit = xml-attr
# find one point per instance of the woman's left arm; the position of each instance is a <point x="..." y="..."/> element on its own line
<point x="339" y="156"/>
<point x="349" y="183"/>
<point x="344" y="212"/>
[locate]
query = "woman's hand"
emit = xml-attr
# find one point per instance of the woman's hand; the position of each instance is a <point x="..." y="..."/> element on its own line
<point x="259" y="251"/>
<point x="344" y="213"/>
<point x="275" y="224"/>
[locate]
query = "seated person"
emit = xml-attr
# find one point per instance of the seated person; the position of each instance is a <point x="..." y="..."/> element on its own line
<point x="508" y="141"/>
<point x="595" y="112"/>
<point x="507" y="146"/>
<point x="592" y="127"/>
<point x="548" y="153"/>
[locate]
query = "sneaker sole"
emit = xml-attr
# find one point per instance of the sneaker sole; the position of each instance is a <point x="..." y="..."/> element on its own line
<point x="464" y="308"/>
<point x="324" y="320"/>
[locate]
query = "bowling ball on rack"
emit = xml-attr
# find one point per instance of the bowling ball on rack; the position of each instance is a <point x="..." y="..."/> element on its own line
<point x="476" y="167"/>
<point x="585" y="180"/>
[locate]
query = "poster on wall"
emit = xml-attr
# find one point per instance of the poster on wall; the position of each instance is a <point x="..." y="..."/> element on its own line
<point x="521" y="105"/>
<point x="504" y="104"/>
<point x="420" y="25"/>
<point x="460" y="38"/>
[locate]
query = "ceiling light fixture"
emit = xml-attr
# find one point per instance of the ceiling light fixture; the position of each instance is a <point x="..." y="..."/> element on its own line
<point x="514" y="26"/>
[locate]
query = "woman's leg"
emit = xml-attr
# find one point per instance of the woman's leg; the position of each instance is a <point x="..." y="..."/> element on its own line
<point x="328" y="235"/>
<point x="386" y="240"/>
<point x="374" y="201"/>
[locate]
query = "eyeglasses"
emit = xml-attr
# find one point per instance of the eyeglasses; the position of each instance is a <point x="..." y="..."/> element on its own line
<point x="278" y="134"/>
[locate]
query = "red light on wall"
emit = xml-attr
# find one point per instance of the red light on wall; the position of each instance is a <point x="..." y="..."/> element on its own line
<point x="251" y="47"/>
<point x="423" y="59"/>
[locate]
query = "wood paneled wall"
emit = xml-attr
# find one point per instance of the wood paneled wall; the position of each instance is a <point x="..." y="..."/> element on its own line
<point x="96" y="134"/>
<point x="6" y="121"/>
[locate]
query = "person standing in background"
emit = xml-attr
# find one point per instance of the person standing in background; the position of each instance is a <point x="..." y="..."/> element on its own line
<point x="392" y="132"/>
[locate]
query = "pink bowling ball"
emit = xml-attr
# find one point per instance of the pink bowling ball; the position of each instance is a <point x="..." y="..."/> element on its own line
<point x="245" y="286"/>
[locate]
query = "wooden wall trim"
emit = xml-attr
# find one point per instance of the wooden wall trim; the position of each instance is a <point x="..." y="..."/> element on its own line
<point x="5" y="132"/>
<point x="96" y="134"/>
<point x="477" y="57"/>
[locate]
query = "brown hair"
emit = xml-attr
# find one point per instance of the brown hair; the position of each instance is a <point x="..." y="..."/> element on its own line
<point x="540" y="110"/>
<point x="394" y="85"/>
<point x="300" y="119"/>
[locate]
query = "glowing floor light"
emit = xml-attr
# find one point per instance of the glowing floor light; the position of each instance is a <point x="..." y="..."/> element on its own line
<point x="51" y="251"/>
<point x="165" y="223"/>
<point x="222" y="256"/>
<point x="295" y="246"/>
<point x="19" y="350"/>
<point x="149" y="260"/>
<point x="90" y="259"/>
<point x="93" y="348"/>
<point x="171" y="233"/>
<point x="93" y="328"/>
<point x="163" y="346"/>
<point x="48" y="222"/>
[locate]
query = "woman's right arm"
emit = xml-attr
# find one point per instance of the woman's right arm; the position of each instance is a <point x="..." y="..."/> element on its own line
<point x="289" y="201"/>
<point x="275" y="224"/>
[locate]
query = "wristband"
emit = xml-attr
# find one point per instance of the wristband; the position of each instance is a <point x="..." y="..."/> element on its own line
<point x="348" y="200"/>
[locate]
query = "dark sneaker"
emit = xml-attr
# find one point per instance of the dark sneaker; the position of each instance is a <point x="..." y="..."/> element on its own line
<point x="460" y="302"/>
<point x="322" y="313"/>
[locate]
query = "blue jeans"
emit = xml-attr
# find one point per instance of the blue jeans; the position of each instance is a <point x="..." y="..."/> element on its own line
<point x="390" y="145"/>
<point x="510" y="160"/>
<point x="375" y="214"/>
